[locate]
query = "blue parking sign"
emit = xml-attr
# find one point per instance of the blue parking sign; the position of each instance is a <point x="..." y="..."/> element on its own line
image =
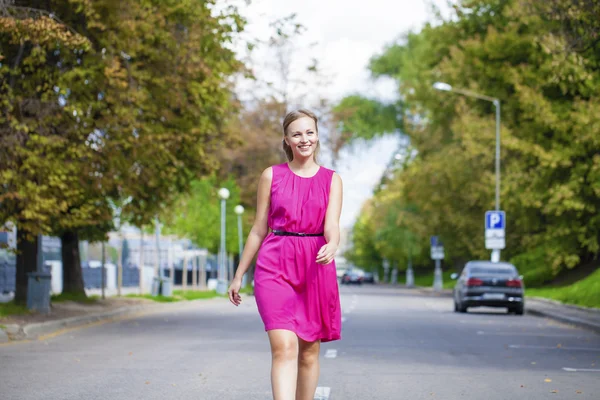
<point x="495" y="220"/>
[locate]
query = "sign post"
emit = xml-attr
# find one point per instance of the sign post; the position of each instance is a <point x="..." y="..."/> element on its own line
<point x="437" y="254"/>
<point x="495" y="225"/>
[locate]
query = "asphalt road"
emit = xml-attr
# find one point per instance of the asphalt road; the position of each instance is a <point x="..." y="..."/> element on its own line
<point x="396" y="344"/>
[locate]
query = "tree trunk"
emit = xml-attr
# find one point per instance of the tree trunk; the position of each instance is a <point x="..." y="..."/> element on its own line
<point x="71" y="261"/>
<point x="26" y="262"/>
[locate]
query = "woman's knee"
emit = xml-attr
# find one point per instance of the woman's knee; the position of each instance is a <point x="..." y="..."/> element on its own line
<point x="308" y="355"/>
<point x="284" y="347"/>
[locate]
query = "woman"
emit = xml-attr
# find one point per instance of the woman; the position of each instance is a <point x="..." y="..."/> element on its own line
<point x="295" y="284"/>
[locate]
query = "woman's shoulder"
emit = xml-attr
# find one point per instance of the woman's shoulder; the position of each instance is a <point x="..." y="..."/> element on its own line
<point x="270" y="171"/>
<point x="329" y="171"/>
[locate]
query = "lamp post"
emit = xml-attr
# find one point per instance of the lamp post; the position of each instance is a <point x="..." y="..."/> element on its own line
<point x="239" y="210"/>
<point x="222" y="278"/>
<point x="448" y="88"/>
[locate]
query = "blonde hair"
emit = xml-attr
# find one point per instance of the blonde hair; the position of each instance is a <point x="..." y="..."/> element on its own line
<point x="291" y="117"/>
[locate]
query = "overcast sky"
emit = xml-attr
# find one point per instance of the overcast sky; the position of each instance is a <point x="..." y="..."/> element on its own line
<point x="348" y="33"/>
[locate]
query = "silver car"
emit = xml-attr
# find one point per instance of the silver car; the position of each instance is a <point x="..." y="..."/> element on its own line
<point x="489" y="284"/>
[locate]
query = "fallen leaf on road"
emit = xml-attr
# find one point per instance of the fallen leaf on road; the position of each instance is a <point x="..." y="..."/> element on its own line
<point x="559" y="345"/>
<point x="547" y="380"/>
<point x="533" y="363"/>
<point x="130" y="353"/>
<point x="172" y="384"/>
<point x="147" y="382"/>
<point x="522" y="386"/>
<point x="554" y="391"/>
<point x="578" y="391"/>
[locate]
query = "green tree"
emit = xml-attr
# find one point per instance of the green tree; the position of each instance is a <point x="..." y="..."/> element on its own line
<point x="115" y="100"/>
<point x="541" y="61"/>
<point x="197" y="215"/>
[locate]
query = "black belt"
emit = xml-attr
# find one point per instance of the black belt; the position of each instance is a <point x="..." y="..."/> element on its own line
<point x="284" y="233"/>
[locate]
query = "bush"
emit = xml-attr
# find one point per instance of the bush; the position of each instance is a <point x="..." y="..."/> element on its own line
<point x="534" y="266"/>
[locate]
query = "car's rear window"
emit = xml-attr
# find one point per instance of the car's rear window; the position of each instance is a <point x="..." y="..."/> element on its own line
<point x="492" y="271"/>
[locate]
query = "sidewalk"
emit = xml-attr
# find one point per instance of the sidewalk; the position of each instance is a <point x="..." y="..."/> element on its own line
<point x="69" y="315"/>
<point x="584" y="317"/>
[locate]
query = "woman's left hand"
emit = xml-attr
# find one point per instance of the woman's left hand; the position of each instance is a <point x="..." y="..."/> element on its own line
<point x="326" y="254"/>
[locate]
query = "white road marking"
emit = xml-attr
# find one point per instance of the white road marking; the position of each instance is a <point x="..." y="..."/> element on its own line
<point x="541" y="335"/>
<point x="331" y="353"/>
<point x="322" y="393"/>
<point x="518" y="346"/>
<point x="580" y="369"/>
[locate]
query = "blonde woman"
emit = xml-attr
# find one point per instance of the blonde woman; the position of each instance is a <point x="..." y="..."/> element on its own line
<point x="296" y="234"/>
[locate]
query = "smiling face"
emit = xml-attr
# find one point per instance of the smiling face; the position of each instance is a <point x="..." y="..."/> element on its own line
<point x="302" y="137"/>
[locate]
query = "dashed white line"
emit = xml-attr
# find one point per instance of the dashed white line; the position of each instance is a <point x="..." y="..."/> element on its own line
<point x="331" y="353"/>
<point x="580" y="369"/>
<point x="322" y="393"/>
<point x="518" y="346"/>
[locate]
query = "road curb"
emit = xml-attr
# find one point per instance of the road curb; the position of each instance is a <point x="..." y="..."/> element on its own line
<point x="32" y="331"/>
<point x="558" y="303"/>
<point x="563" y="318"/>
<point x="16" y="333"/>
<point x="533" y="310"/>
<point x="3" y="336"/>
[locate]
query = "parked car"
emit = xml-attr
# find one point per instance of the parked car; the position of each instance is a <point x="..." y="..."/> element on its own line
<point x="368" y="277"/>
<point x="489" y="284"/>
<point x="352" y="277"/>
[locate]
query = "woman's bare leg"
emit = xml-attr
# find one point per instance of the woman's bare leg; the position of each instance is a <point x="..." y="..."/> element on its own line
<point x="308" y="369"/>
<point x="284" y="367"/>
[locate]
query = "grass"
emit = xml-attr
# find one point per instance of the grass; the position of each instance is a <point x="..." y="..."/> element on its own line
<point x="585" y="292"/>
<point x="160" y="298"/>
<point x="76" y="297"/>
<point x="11" y="308"/>
<point x="188" y="295"/>
<point x="427" y="280"/>
<point x="195" y="294"/>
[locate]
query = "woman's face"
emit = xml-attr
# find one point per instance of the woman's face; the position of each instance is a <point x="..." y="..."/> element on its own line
<point x="302" y="137"/>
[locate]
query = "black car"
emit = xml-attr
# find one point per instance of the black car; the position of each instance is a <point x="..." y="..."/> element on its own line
<point x="368" y="277"/>
<point x="489" y="284"/>
<point x="352" y="276"/>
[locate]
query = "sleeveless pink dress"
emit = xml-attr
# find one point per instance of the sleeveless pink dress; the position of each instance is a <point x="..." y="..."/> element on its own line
<point x="292" y="291"/>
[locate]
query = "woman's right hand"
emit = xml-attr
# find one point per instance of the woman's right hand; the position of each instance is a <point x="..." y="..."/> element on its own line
<point x="234" y="291"/>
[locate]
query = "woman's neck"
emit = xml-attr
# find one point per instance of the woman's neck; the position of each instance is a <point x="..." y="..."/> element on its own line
<point x="303" y="164"/>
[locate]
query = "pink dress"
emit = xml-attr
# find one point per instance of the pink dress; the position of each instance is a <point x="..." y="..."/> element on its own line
<point x="292" y="291"/>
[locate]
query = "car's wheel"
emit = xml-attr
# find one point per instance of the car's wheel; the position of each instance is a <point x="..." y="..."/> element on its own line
<point x="519" y="310"/>
<point x="460" y="308"/>
<point x="455" y="306"/>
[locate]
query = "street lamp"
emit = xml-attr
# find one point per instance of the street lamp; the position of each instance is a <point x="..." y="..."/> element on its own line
<point x="222" y="278"/>
<point x="239" y="210"/>
<point x="448" y="88"/>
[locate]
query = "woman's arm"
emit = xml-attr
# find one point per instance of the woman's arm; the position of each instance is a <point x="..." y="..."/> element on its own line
<point x="332" y="221"/>
<point x="260" y="228"/>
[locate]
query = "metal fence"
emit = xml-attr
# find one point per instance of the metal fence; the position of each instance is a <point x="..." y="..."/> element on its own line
<point x="8" y="277"/>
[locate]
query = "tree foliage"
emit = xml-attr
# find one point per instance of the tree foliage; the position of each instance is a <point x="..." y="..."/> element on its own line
<point x="542" y="61"/>
<point x="106" y="100"/>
